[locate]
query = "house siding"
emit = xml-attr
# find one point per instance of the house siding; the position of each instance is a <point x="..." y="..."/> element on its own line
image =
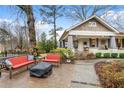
<point x="86" y="27"/>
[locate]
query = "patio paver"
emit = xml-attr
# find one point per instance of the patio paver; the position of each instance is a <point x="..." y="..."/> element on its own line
<point x="81" y="71"/>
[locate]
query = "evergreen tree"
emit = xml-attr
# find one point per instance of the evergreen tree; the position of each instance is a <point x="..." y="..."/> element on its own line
<point x="50" y="14"/>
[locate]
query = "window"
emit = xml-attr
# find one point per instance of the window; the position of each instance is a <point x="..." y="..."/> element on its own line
<point x="85" y="43"/>
<point x="108" y="43"/>
<point x="75" y="44"/>
<point x="92" y="24"/>
<point x="118" y="43"/>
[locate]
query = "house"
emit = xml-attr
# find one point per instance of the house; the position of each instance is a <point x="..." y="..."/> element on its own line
<point x="8" y="45"/>
<point x="93" y="33"/>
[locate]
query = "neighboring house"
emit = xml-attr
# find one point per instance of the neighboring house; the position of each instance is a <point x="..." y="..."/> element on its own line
<point x="8" y="45"/>
<point x="59" y="34"/>
<point x="93" y="33"/>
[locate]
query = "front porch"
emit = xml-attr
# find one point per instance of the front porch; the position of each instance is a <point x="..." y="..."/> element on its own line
<point x="95" y="42"/>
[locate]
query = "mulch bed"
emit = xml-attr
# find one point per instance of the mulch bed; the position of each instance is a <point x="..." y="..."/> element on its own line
<point x="97" y="66"/>
<point x="106" y="81"/>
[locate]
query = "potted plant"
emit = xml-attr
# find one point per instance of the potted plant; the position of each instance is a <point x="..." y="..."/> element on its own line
<point x="69" y="56"/>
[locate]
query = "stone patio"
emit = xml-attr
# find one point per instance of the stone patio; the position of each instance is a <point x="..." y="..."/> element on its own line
<point x="79" y="75"/>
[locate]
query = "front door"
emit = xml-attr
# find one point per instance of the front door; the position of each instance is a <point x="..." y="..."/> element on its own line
<point x="85" y="44"/>
<point x="104" y="44"/>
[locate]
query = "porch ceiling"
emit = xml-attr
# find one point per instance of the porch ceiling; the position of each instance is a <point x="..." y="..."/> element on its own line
<point x="92" y="33"/>
<point x="80" y="37"/>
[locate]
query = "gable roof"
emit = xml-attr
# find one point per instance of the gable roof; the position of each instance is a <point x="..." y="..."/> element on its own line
<point x="97" y="18"/>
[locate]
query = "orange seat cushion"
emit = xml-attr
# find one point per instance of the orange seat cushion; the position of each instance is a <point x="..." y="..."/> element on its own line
<point x="52" y="58"/>
<point x="20" y="61"/>
<point x="22" y="64"/>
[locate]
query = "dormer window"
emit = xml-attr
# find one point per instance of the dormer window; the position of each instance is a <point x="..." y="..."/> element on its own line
<point x="92" y="24"/>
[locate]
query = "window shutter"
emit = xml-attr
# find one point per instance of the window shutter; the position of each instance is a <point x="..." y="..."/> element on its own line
<point x="97" y="42"/>
<point x="90" y="41"/>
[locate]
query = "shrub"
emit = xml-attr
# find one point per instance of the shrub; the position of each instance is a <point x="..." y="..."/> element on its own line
<point x="106" y="55"/>
<point x="114" y="55"/>
<point x="110" y="74"/>
<point x="121" y="64"/>
<point x="119" y="79"/>
<point x="61" y="51"/>
<point x="91" y="56"/>
<point x="78" y="55"/>
<point x="121" y="55"/>
<point x="65" y="53"/>
<point x="2" y="53"/>
<point x="69" y="55"/>
<point x="98" y="55"/>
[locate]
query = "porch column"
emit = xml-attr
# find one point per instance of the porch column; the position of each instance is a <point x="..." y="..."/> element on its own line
<point x="113" y="43"/>
<point x="70" y="42"/>
<point x="80" y="45"/>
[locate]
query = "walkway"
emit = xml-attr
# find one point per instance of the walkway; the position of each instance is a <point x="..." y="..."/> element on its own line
<point x="85" y="75"/>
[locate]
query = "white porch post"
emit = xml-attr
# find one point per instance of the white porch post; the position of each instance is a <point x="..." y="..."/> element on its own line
<point x="113" y="43"/>
<point x="70" y="42"/>
<point x="80" y="45"/>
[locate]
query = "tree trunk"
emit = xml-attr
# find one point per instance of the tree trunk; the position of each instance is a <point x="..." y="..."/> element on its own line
<point x="55" y="28"/>
<point x="31" y="28"/>
<point x="30" y="22"/>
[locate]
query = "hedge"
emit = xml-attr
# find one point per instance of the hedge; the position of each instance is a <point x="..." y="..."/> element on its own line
<point x="98" y="55"/>
<point x="106" y="55"/>
<point x="121" y="55"/>
<point x="114" y="55"/>
<point x="109" y="55"/>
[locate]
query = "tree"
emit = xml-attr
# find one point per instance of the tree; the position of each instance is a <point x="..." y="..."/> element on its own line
<point x="45" y="44"/>
<point x="21" y="34"/>
<point x="42" y="43"/>
<point x="82" y="12"/>
<point x="4" y="36"/>
<point x="51" y="33"/>
<point x="50" y="14"/>
<point x="28" y="10"/>
<point x="119" y="22"/>
<point x="115" y="19"/>
<point x="49" y="45"/>
<point x="7" y="37"/>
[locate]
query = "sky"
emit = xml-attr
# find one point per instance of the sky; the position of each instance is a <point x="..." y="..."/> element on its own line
<point x="9" y="14"/>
